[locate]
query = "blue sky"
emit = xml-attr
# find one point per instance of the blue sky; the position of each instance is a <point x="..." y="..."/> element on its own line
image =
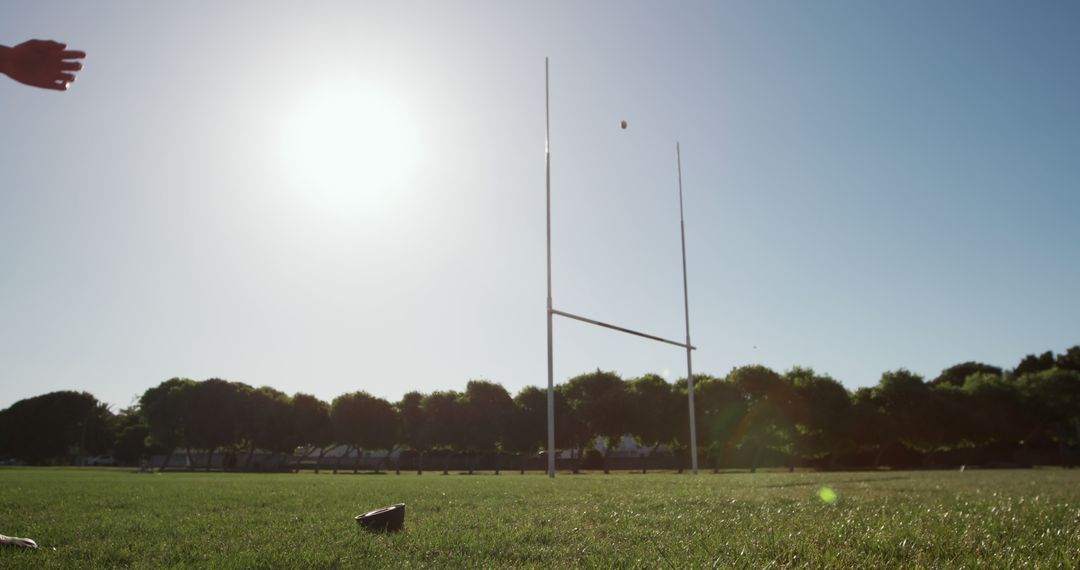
<point x="337" y="196"/>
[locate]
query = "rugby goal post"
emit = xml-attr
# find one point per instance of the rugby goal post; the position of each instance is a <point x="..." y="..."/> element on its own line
<point x="552" y="311"/>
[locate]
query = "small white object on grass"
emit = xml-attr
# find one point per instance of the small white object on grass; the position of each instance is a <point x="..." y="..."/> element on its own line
<point x="16" y="541"/>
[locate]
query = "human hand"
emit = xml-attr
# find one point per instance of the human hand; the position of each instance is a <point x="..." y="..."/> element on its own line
<point x="41" y="63"/>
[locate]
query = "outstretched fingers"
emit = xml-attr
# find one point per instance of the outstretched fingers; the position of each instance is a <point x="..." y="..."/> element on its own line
<point x="67" y="65"/>
<point x="58" y="84"/>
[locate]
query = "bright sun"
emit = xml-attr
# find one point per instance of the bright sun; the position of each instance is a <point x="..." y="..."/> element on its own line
<point x="350" y="149"/>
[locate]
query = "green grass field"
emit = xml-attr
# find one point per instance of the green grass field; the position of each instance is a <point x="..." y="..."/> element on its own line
<point x="86" y="518"/>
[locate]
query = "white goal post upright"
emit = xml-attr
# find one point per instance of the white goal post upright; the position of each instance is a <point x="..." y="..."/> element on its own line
<point x="686" y="308"/>
<point x="551" y="376"/>
<point x="551" y="311"/>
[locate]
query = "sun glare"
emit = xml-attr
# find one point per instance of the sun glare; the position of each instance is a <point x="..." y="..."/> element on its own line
<point x="350" y="149"/>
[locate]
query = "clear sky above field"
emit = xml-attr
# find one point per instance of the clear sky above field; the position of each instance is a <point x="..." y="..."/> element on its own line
<point x="334" y="196"/>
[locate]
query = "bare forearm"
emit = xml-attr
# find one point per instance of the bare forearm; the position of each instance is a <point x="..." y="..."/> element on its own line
<point x="5" y="55"/>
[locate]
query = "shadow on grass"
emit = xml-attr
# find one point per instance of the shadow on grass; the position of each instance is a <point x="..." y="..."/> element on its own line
<point x="815" y="483"/>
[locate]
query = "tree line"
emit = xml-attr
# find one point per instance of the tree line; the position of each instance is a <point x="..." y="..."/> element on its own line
<point x="971" y="413"/>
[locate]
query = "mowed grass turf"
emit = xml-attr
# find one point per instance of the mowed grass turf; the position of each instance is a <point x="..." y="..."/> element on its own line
<point x="85" y="518"/>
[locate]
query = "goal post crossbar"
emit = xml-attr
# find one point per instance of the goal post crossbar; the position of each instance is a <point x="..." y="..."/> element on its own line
<point x="620" y="329"/>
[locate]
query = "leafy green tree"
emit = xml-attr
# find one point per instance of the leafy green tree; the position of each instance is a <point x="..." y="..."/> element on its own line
<point x="486" y="409"/>
<point x="362" y="421"/>
<point x="211" y="418"/>
<point x="132" y="435"/>
<point x="165" y="408"/>
<point x="443" y="423"/>
<point x="526" y="432"/>
<point x="572" y="424"/>
<point x="56" y="427"/>
<point x="949" y="423"/>
<point x="1055" y="404"/>
<point x="821" y="413"/>
<point x="266" y="421"/>
<point x="998" y="411"/>
<point x="719" y="409"/>
<point x="311" y="422"/>
<point x="1031" y="364"/>
<point x="411" y="420"/>
<point x="598" y="402"/>
<point x="770" y="405"/>
<point x="903" y="397"/>
<point x="385" y="438"/>
<point x="655" y="407"/>
<point x="1070" y="359"/>
<point x="869" y="429"/>
<point x="956" y="375"/>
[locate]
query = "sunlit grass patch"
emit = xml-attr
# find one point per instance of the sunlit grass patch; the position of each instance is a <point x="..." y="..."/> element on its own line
<point x="108" y="518"/>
